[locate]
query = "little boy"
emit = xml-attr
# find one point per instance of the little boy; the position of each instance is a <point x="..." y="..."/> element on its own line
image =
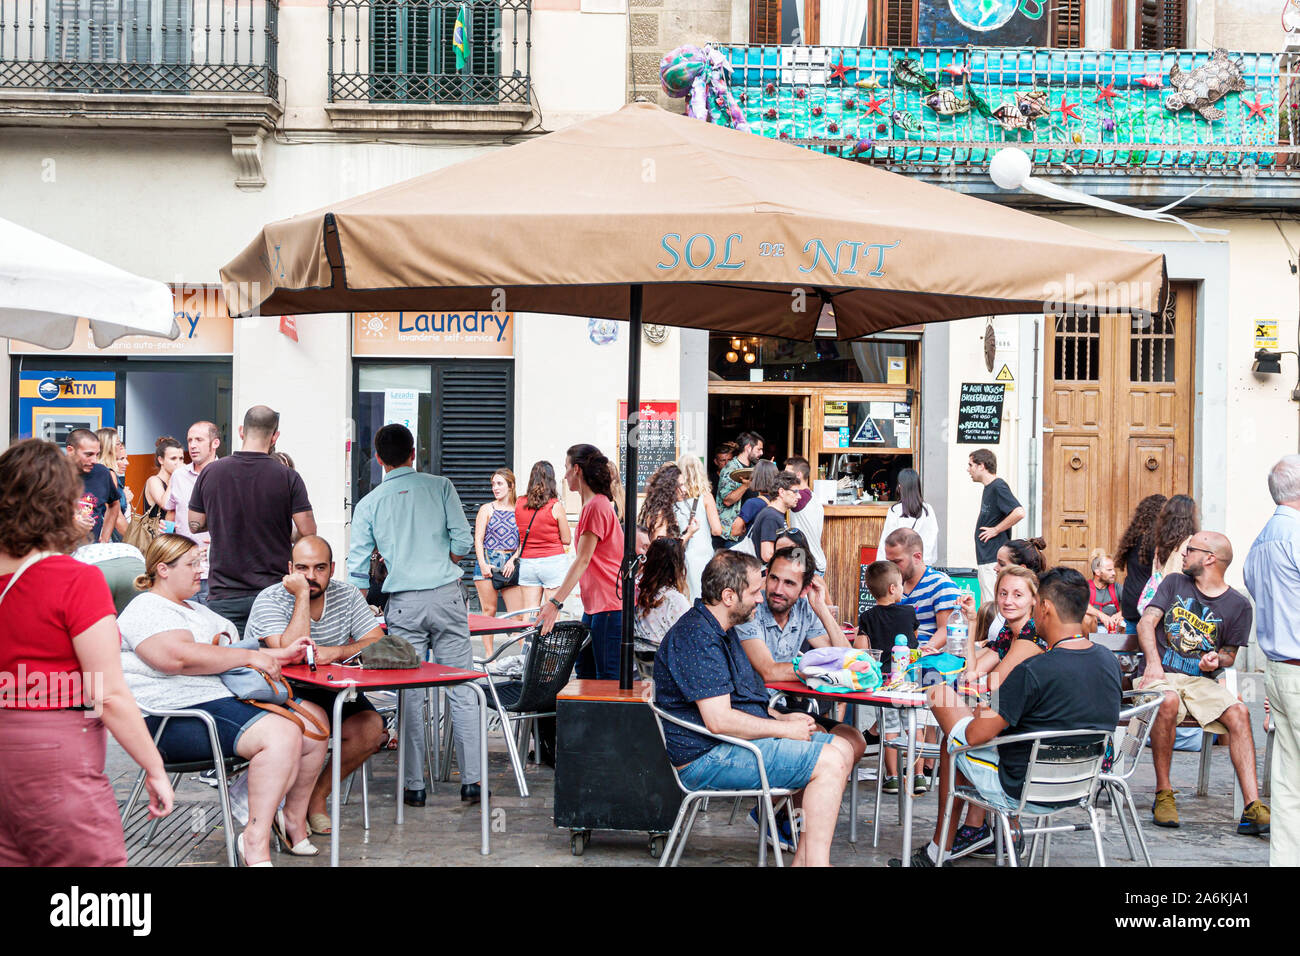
<point x="877" y="628"/>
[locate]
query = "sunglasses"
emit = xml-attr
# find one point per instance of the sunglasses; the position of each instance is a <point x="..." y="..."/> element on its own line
<point x="1202" y="550"/>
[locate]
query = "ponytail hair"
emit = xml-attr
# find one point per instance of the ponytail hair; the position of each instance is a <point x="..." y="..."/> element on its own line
<point x="164" y="549"/>
<point x="594" y="467"/>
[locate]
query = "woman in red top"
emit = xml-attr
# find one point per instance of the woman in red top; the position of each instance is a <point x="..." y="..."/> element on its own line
<point x="543" y="536"/>
<point x="596" y="562"/>
<point x="60" y="641"/>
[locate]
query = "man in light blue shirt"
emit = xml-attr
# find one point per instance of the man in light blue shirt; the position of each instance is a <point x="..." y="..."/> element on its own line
<point x="417" y="524"/>
<point x="1273" y="579"/>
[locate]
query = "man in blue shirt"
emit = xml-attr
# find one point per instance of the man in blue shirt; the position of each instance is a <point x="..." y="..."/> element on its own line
<point x="1273" y="579"/>
<point x="417" y="524"/>
<point x="703" y="676"/>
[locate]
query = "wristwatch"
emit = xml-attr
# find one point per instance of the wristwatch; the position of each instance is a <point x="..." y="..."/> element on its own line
<point x="559" y="605"/>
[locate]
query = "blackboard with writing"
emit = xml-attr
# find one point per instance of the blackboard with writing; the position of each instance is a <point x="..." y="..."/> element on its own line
<point x="656" y="440"/>
<point x="865" y="598"/>
<point x="979" y="413"/>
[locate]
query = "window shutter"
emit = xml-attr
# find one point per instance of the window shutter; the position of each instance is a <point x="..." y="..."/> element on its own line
<point x="1067" y="24"/>
<point x="893" y="23"/>
<point x="475" y="414"/>
<point x="1162" y="25"/>
<point x="765" y="21"/>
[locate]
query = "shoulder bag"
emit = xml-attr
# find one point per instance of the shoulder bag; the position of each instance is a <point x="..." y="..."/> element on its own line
<point x="144" y="528"/>
<point x="254" y="686"/>
<point x="500" y="580"/>
<point x="31" y="559"/>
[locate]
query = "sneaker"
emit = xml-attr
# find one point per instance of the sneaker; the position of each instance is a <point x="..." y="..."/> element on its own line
<point x="1164" y="812"/>
<point x="891" y="785"/>
<point x="210" y="778"/>
<point x="920" y="785"/>
<point x="782" y="829"/>
<point x="970" y="839"/>
<point x="1254" y="820"/>
<point x="989" y="850"/>
<point x="920" y="860"/>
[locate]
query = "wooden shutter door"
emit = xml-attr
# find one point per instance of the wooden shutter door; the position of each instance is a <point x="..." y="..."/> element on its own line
<point x="892" y="23"/>
<point x="1067" y="24"/>
<point x="1162" y="24"/>
<point x="765" y="21"/>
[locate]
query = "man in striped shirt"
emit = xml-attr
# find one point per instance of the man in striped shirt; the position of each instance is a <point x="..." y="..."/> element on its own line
<point x="311" y="602"/>
<point x="931" y="593"/>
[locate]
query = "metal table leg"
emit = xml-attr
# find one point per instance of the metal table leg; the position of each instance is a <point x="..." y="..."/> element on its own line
<point x="336" y="733"/>
<point x="401" y="756"/>
<point x="905" y="786"/>
<point x="484" y="812"/>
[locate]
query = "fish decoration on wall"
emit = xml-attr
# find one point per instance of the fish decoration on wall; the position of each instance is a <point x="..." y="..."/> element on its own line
<point x="909" y="73"/>
<point x="870" y="83"/>
<point x="954" y="70"/>
<point x="1151" y="82"/>
<point x="947" y="103"/>
<point x="702" y="76"/>
<point x="905" y="121"/>
<point x="1205" y="85"/>
<point x="1022" y="112"/>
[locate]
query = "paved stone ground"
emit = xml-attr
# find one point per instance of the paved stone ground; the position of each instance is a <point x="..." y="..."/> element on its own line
<point x="446" y="832"/>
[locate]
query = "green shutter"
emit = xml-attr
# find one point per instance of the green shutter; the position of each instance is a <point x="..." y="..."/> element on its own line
<point x="411" y="56"/>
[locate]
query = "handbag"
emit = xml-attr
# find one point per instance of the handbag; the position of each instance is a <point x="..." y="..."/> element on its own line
<point x="254" y="686"/>
<point x="1152" y="585"/>
<point x="746" y="544"/>
<point x="144" y="528"/>
<point x="500" y="580"/>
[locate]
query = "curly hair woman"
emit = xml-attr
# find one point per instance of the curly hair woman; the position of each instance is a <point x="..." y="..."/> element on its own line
<point x="662" y="492"/>
<point x="1133" y="556"/>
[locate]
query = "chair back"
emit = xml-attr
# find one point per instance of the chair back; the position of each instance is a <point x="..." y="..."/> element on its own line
<point x="1136" y="719"/>
<point x="1066" y="770"/>
<point x="550" y="662"/>
<point x="660" y="717"/>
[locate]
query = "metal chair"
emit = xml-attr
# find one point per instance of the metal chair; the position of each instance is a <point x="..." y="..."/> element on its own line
<point x="1137" y="720"/>
<point x="223" y="766"/>
<point x="1059" y="776"/>
<point x="548" y="664"/>
<point x="765" y="792"/>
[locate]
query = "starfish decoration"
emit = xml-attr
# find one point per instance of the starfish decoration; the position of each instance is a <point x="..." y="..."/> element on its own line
<point x="1066" y="109"/>
<point x="1257" y="108"/>
<point x="873" y="106"/>
<point x="839" y="71"/>
<point x="1106" y="92"/>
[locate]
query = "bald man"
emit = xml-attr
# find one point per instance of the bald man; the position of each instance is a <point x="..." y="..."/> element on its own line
<point x="1190" y="633"/>
<point x="310" y="601"/>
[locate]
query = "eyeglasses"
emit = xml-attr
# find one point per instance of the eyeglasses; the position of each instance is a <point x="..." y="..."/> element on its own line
<point x="1202" y="550"/>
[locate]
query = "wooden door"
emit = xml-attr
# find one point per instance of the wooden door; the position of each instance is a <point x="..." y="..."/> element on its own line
<point x="1116" y="422"/>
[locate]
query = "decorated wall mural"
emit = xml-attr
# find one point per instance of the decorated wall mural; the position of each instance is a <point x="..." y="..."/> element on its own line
<point x="1102" y="107"/>
<point x="983" y="23"/>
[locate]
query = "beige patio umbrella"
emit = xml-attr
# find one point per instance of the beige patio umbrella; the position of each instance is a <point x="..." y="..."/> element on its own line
<point x="646" y="215"/>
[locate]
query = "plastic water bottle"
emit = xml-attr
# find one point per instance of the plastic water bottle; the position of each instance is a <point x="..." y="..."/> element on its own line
<point x="958" y="633"/>
<point x="900" y="658"/>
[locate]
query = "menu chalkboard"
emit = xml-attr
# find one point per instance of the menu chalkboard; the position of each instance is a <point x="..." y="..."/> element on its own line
<point x="656" y="440"/>
<point x="979" y="413"/>
<point x="865" y="598"/>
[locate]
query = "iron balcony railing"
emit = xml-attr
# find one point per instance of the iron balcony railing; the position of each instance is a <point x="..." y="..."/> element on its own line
<point x="406" y="51"/>
<point x="951" y="108"/>
<point x="139" y="46"/>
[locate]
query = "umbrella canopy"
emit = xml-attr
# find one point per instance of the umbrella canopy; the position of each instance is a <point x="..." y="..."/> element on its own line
<point x="46" y="286"/>
<point x="723" y="230"/>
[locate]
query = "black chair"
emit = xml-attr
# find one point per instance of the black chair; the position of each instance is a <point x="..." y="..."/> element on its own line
<point x="549" y="660"/>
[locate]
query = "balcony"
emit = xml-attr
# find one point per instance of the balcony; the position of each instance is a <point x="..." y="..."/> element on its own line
<point x="1098" y="115"/>
<point x="196" y="64"/>
<point x="430" y="65"/>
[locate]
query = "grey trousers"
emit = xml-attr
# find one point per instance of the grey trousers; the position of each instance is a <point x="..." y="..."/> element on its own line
<point x="436" y="621"/>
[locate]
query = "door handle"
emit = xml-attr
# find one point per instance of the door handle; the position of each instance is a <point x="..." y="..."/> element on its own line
<point x="1152" y="464"/>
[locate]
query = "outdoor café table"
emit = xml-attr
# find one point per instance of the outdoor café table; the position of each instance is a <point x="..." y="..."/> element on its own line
<point x="347" y="681"/>
<point x="482" y="624"/>
<point x="909" y="703"/>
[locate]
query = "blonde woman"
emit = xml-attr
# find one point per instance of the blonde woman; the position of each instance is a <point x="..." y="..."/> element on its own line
<point x="112" y="455"/>
<point x="697" y="508"/>
<point x="173" y="657"/>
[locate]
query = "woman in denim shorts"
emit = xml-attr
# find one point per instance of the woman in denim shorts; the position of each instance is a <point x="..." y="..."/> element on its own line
<point x="495" y="539"/>
<point x="544" y="535"/>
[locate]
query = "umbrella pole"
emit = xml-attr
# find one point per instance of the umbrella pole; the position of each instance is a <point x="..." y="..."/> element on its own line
<point x="625" y="655"/>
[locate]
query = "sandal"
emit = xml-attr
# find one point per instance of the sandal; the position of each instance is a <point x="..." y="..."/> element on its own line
<point x="303" y="847"/>
<point x="319" y="823"/>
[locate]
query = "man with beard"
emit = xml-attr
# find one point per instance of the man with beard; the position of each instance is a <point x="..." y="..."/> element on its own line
<point x="310" y="601"/>
<point x="702" y="675"/>
<point x="1189" y="633"/>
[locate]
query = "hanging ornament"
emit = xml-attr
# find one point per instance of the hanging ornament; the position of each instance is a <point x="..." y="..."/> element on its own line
<point x="702" y="77"/>
<point x="909" y="73"/>
<point x="1021" y="112"/>
<point x="732" y="357"/>
<point x="655" y="334"/>
<point x="990" y="345"/>
<point x="1205" y="85"/>
<point x="906" y="121"/>
<point x="947" y="103"/>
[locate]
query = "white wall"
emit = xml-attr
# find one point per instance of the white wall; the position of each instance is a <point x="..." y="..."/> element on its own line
<point x="161" y="403"/>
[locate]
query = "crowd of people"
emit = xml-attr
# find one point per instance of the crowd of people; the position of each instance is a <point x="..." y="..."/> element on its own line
<point x="227" y="571"/>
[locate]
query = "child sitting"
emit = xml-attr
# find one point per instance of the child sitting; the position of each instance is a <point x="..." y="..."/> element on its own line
<point x="878" y="626"/>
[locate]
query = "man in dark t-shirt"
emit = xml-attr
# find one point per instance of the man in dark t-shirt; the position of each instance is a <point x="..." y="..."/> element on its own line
<point x="770" y="522"/>
<point x="100" y="502"/>
<point x="1189" y="634"/>
<point x="1075" y="685"/>
<point x="250" y="503"/>
<point x="999" y="512"/>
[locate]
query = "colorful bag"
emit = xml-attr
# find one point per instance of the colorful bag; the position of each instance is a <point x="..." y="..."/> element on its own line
<point x="1152" y="586"/>
<point x="837" y="670"/>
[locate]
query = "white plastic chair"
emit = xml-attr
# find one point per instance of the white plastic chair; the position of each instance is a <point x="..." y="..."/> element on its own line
<point x="765" y="792"/>
<point x="1137" y="721"/>
<point x="1059" y="776"/>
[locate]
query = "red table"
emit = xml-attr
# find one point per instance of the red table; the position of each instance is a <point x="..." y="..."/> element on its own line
<point x="347" y="681"/>
<point x="909" y="703"/>
<point x="482" y="624"/>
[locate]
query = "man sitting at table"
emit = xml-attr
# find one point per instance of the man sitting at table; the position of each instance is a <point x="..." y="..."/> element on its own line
<point x="312" y="602"/>
<point x="1075" y="685"/>
<point x="793" y="616"/>
<point x="702" y="675"/>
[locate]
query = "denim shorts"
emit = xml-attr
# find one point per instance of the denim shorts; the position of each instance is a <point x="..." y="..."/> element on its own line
<point x="789" y="764"/>
<point x="545" y="573"/>
<point x="186" y="738"/>
<point x="495" y="558"/>
<point x="980" y="767"/>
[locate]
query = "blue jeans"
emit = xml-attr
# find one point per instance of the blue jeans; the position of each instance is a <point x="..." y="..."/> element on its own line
<point x="600" y="658"/>
<point x="788" y="763"/>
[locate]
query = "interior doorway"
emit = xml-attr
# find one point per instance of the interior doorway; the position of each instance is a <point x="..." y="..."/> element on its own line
<point x="1117" y="421"/>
